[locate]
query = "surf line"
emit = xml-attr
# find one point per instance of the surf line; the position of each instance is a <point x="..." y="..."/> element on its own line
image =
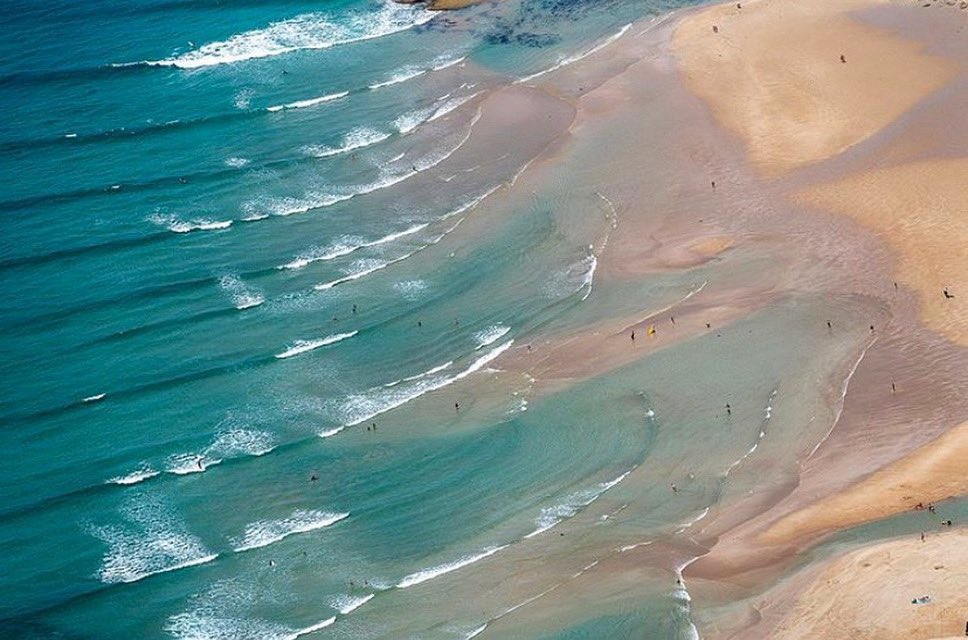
<point x="843" y="397"/>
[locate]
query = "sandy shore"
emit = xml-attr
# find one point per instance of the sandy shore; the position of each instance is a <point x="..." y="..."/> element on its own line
<point x="862" y="137"/>
<point x="867" y="593"/>
<point x="919" y="208"/>
<point x="772" y="73"/>
<point x="929" y="474"/>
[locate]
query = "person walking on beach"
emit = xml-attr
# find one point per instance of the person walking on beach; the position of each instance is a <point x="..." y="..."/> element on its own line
<point x="457" y="407"/>
<point x="948" y="296"/>
<point x="729" y="410"/>
<point x="633" y="336"/>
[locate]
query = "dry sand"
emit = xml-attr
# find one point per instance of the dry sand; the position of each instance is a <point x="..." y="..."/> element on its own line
<point x="867" y="593"/>
<point x="773" y="75"/>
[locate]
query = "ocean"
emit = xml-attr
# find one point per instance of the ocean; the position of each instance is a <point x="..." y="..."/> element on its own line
<point x="258" y="275"/>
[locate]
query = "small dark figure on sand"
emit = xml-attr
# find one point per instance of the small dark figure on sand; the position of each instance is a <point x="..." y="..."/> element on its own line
<point x="843" y="59"/>
<point x="715" y="29"/>
<point x="729" y="410"/>
<point x="947" y="295"/>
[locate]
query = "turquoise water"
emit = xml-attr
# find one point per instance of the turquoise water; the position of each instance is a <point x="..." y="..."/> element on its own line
<point x="235" y="237"/>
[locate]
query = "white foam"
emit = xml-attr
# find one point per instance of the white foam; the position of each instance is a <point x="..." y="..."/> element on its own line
<point x="346" y="246"/>
<point x="262" y="208"/>
<point x="476" y="632"/>
<point x="266" y="532"/>
<point x="554" y="515"/>
<point x="311" y="102"/>
<point x="411" y="289"/>
<point x="687" y="524"/>
<point x="243" y="99"/>
<point x="238" y="441"/>
<point x="329" y="433"/>
<point x="359" y="408"/>
<point x="243" y="296"/>
<point x="304" y="32"/>
<point x="236" y="162"/>
<point x="203" y="624"/>
<point x="358" y="138"/>
<point x="451" y="105"/>
<point x="311" y="628"/>
<point x="234" y="442"/>
<point x="444" y="63"/>
<point x="138" y="475"/>
<point x="411" y="120"/>
<point x="95" y="398"/>
<point x="589" y="279"/>
<point x="177" y="225"/>
<point x="563" y="62"/>
<point x="425" y="374"/>
<point x="490" y="335"/>
<point x="348" y="604"/>
<point x="302" y="346"/>
<point x="434" y="572"/>
<point x="70" y="135"/>
<point x="182" y="464"/>
<point x="150" y="542"/>
<point x="402" y="75"/>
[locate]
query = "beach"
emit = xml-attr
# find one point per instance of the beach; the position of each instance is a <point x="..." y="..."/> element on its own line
<point x="522" y="320"/>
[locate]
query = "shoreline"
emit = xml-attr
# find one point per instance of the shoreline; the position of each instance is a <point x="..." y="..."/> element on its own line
<point x="870" y="451"/>
<point x="786" y="101"/>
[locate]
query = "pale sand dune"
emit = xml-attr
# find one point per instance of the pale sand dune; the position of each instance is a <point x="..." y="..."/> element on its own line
<point x="773" y="75"/>
<point x="928" y="474"/>
<point x="867" y="593"/>
<point x="921" y="209"/>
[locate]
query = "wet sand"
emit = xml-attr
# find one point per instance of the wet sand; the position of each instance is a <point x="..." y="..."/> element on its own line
<point x="931" y="473"/>
<point x="817" y="184"/>
<point x="842" y="125"/>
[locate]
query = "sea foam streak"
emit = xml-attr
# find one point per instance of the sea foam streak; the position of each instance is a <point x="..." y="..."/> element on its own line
<point x="359" y="408"/>
<point x="265" y="532"/>
<point x="177" y="225"/>
<point x="411" y="72"/>
<point x="302" y="346"/>
<point x="358" y="138"/>
<point x="232" y="443"/>
<point x="349" y="604"/>
<point x="150" y="542"/>
<point x="312" y="102"/>
<point x="204" y="625"/>
<point x="141" y="473"/>
<point x="439" y="570"/>
<point x="307" y="31"/>
<point x="551" y="516"/>
<point x="579" y="56"/>
<point x="347" y="246"/>
<point x="490" y="335"/>
<point x="243" y="296"/>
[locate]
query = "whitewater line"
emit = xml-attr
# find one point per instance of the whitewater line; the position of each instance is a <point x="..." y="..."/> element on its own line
<point x="843" y="397"/>
<point x="564" y="62"/>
